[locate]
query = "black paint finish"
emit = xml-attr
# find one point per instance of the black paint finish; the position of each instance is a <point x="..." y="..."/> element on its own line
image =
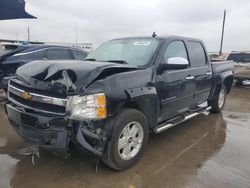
<point x="158" y="94"/>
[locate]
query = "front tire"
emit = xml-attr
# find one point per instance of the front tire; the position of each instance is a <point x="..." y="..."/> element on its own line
<point x="219" y="100"/>
<point x="128" y="139"/>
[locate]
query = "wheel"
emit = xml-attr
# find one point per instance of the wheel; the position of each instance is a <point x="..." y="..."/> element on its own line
<point x="128" y="139"/>
<point x="219" y="100"/>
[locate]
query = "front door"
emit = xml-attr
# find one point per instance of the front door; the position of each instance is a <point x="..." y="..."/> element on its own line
<point x="175" y="87"/>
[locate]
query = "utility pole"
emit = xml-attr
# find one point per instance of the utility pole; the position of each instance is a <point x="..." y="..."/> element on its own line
<point x="28" y="33"/>
<point x="76" y="33"/>
<point x="222" y="33"/>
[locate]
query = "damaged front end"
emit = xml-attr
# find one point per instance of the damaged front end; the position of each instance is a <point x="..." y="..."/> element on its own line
<point x="50" y="132"/>
<point x="49" y="107"/>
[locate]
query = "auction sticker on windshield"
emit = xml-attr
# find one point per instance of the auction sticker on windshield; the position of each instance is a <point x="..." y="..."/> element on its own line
<point x="142" y="43"/>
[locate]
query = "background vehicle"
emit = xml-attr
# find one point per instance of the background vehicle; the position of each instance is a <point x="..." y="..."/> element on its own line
<point x="6" y="48"/>
<point x="125" y="89"/>
<point x="242" y="66"/>
<point x="14" y="56"/>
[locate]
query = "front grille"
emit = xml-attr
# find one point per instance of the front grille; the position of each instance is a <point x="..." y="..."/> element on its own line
<point x="35" y="101"/>
<point x="18" y="84"/>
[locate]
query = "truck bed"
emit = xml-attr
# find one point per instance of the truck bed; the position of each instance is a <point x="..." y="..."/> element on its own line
<point x="220" y="66"/>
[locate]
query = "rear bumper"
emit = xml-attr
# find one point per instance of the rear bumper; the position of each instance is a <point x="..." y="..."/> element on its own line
<point x="53" y="132"/>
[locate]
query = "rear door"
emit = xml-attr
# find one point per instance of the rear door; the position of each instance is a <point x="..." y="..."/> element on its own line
<point x="175" y="87"/>
<point x="201" y="69"/>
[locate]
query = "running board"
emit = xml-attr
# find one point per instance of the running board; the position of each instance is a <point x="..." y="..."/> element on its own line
<point x="163" y="127"/>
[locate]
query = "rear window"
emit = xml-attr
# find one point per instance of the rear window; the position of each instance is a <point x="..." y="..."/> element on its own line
<point x="241" y="57"/>
<point x="78" y="55"/>
<point x="58" y="54"/>
<point x="197" y="54"/>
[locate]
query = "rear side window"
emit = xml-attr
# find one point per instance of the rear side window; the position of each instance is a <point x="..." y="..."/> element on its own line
<point x="58" y="54"/>
<point x="78" y="55"/>
<point x="197" y="54"/>
<point x="240" y="57"/>
<point x="175" y="49"/>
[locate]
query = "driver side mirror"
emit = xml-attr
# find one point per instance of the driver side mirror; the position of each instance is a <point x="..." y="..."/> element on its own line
<point x="176" y="63"/>
<point x="173" y="63"/>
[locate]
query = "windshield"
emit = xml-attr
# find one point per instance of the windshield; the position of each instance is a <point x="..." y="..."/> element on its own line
<point x="131" y="51"/>
<point x="241" y="57"/>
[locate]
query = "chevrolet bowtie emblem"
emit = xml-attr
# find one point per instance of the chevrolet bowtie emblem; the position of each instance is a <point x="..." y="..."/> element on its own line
<point x="26" y="95"/>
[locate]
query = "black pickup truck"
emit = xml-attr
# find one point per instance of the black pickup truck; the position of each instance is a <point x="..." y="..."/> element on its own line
<point x="124" y="90"/>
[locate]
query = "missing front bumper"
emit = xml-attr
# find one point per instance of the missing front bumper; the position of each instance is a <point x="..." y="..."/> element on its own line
<point x="53" y="133"/>
<point x="40" y="130"/>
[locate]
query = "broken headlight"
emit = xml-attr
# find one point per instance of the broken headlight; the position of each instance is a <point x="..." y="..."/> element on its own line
<point x="87" y="107"/>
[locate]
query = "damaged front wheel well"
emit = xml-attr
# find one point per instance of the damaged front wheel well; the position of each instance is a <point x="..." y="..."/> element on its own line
<point x="147" y="106"/>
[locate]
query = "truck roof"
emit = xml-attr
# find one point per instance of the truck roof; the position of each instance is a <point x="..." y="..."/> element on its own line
<point x="162" y="37"/>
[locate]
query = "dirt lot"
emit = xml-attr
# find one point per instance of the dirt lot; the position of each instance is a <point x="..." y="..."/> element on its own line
<point x="207" y="151"/>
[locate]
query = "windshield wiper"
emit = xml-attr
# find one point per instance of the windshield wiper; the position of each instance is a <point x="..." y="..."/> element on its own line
<point x="118" y="61"/>
<point x="90" y="59"/>
<point x="112" y="61"/>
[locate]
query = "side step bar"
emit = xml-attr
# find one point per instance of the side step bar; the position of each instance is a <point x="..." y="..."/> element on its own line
<point x="163" y="127"/>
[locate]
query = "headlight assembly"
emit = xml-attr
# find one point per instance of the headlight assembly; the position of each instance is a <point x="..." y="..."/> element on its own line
<point x="87" y="107"/>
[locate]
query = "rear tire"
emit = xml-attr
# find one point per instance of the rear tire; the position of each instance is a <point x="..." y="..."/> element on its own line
<point x="219" y="100"/>
<point x="128" y="139"/>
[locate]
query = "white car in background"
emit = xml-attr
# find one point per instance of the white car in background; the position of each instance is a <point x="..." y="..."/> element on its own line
<point x="242" y="66"/>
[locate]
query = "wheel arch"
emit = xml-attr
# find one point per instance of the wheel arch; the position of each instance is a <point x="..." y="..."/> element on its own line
<point x="146" y="101"/>
<point x="228" y="82"/>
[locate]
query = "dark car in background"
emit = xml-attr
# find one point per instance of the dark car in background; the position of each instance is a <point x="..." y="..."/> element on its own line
<point x="242" y="66"/>
<point x="13" y="57"/>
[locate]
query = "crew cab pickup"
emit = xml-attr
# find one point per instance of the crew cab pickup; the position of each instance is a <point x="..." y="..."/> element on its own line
<point x="124" y="90"/>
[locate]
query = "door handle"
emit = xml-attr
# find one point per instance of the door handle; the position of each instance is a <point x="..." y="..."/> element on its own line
<point x="190" y="77"/>
<point x="209" y="73"/>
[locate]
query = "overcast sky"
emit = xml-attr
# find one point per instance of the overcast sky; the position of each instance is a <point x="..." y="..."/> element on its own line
<point x="102" y="20"/>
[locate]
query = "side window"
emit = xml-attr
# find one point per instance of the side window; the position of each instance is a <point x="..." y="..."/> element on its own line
<point x="39" y="54"/>
<point x="175" y="49"/>
<point x="35" y="54"/>
<point x="58" y="54"/>
<point x="78" y="55"/>
<point x="197" y="54"/>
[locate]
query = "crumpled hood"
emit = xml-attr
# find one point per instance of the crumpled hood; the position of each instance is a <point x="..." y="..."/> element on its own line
<point x="70" y="74"/>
